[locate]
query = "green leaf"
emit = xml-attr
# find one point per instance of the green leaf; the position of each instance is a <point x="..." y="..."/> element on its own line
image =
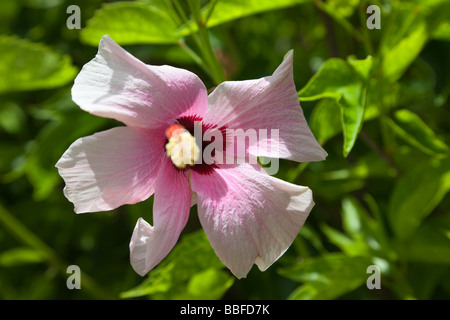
<point x="363" y="67"/>
<point x="397" y="56"/>
<point x="442" y="32"/>
<point x="228" y="10"/>
<point x="431" y="242"/>
<point x="328" y="276"/>
<point x="341" y="8"/>
<point x="349" y="245"/>
<point x="416" y="195"/>
<point x="20" y="256"/>
<point x="12" y="117"/>
<point x="341" y="11"/>
<point x="313" y="238"/>
<point x="333" y="80"/>
<point x="366" y="166"/>
<point x="413" y="130"/>
<point x="437" y="13"/>
<point x="132" y="23"/>
<point x="415" y="89"/>
<point x="366" y="229"/>
<point x="380" y="98"/>
<point x="65" y="123"/>
<point x="41" y="4"/>
<point x="68" y="124"/>
<point x="345" y="82"/>
<point x="325" y="120"/>
<point x="408" y="28"/>
<point x="191" y="271"/>
<point x="364" y="235"/>
<point x="209" y="284"/>
<point x="223" y="11"/>
<point x="31" y="66"/>
<point x="352" y="215"/>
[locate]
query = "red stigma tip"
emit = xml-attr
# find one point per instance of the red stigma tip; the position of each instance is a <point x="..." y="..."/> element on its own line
<point x="171" y="129"/>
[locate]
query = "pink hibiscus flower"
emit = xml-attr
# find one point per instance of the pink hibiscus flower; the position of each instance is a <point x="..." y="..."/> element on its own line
<point x="248" y="216"/>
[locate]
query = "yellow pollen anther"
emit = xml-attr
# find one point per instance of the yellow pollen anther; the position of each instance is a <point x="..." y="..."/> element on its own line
<point x="181" y="148"/>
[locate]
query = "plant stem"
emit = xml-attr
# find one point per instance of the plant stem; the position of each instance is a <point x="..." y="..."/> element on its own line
<point x="204" y="44"/>
<point x="193" y="55"/>
<point x="173" y="13"/>
<point x="180" y="11"/>
<point x="211" y="9"/>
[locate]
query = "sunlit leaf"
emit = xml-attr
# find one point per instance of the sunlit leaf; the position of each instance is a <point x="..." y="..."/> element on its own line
<point x="345" y="83"/>
<point x="353" y="246"/>
<point x="209" y="284"/>
<point x="397" y="58"/>
<point x="381" y="97"/>
<point x="228" y="10"/>
<point x="341" y="8"/>
<point x="325" y="120"/>
<point x="131" y="23"/>
<point x="408" y="28"/>
<point x="26" y="65"/>
<point x="186" y="273"/>
<point x="414" y="131"/>
<point x="352" y="216"/>
<point x="327" y="277"/>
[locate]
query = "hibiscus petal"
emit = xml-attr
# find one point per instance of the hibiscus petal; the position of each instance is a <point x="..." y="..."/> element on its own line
<point x="149" y="245"/>
<point x="269" y="103"/>
<point x="249" y="216"/>
<point x="111" y="168"/>
<point x="117" y="85"/>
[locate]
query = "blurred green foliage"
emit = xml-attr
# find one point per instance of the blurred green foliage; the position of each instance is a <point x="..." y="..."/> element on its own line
<point x="376" y="99"/>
